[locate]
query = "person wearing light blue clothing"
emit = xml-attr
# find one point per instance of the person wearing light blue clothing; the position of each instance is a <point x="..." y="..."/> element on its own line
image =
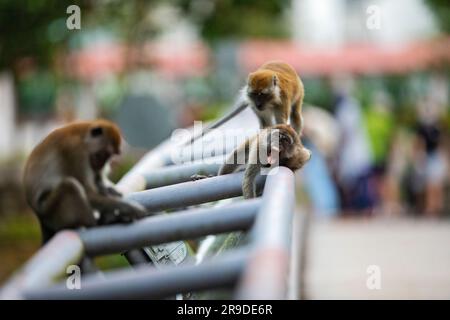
<point x="319" y="185"/>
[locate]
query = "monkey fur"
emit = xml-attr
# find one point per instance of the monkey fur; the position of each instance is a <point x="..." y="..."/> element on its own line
<point x="65" y="179"/>
<point x="276" y="145"/>
<point x="274" y="92"/>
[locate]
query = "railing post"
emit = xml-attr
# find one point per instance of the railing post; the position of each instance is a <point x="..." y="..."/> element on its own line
<point x="47" y="266"/>
<point x="266" y="274"/>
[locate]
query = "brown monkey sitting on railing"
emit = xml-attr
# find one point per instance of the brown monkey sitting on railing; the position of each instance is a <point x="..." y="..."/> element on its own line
<point x="66" y="179"/>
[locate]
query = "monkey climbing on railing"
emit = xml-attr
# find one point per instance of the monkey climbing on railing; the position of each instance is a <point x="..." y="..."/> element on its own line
<point x="273" y="146"/>
<point x="274" y="92"/>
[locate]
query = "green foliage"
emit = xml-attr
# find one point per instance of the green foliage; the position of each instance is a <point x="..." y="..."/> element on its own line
<point x="441" y="10"/>
<point x="19" y="239"/>
<point x="122" y="168"/>
<point x="113" y="261"/>
<point x="19" y="227"/>
<point x="37" y="28"/>
<point x="36" y="92"/>
<point x="318" y="92"/>
<point x="238" y="18"/>
<point x="214" y="111"/>
<point x="32" y="28"/>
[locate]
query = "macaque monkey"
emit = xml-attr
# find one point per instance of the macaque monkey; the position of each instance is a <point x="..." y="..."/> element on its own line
<point x="66" y="179"/>
<point x="274" y="92"/>
<point x="277" y="145"/>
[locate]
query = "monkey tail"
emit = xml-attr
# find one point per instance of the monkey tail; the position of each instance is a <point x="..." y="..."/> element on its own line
<point x="230" y="164"/>
<point x="241" y="105"/>
<point x="232" y="161"/>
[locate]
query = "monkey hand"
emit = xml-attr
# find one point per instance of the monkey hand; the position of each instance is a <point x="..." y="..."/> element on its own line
<point x="123" y="212"/>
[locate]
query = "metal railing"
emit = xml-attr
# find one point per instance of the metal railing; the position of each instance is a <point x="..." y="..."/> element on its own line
<point x="260" y="269"/>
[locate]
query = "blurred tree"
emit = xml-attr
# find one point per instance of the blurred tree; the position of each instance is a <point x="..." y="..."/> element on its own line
<point x="34" y="36"/>
<point x="33" y="28"/>
<point x="37" y="28"/>
<point x="441" y="10"/>
<point x="237" y="18"/>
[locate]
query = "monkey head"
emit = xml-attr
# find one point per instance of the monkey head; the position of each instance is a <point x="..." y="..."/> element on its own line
<point x="103" y="141"/>
<point x="263" y="89"/>
<point x="288" y="147"/>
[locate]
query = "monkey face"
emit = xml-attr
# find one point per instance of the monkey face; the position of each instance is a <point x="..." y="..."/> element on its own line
<point x="103" y="141"/>
<point x="262" y="88"/>
<point x="291" y="152"/>
<point x="259" y="99"/>
<point x="280" y="147"/>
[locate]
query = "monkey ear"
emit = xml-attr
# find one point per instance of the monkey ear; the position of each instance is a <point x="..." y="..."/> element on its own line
<point x="249" y="77"/>
<point x="274" y="80"/>
<point x="96" y="131"/>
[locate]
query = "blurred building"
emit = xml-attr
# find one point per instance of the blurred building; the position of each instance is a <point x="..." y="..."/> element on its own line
<point x="335" y="23"/>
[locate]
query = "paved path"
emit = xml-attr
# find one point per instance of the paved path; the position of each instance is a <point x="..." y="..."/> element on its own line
<point x="413" y="258"/>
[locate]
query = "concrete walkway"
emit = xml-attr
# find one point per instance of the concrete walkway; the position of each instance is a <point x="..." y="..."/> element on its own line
<point x="412" y="257"/>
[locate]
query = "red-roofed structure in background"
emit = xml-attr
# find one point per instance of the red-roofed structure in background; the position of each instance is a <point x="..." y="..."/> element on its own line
<point x="358" y="59"/>
<point x="96" y="61"/>
<point x="169" y="59"/>
<point x="182" y="60"/>
<point x="178" y="60"/>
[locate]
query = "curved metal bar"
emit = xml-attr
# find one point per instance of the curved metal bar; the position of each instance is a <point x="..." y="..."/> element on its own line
<point x="191" y="193"/>
<point x="47" y="266"/>
<point x="267" y="271"/>
<point x="183" y="225"/>
<point x="148" y="283"/>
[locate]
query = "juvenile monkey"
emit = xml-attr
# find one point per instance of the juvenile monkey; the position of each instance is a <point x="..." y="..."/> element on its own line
<point x="277" y="145"/>
<point x="274" y="92"/>
<point x="66" y="181"/>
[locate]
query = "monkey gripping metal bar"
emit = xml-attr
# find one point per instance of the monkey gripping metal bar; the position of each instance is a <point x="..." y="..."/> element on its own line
<point x="191" y="193"/>
<point x="265" y="264"/>
<point x="181" y="173"/>
<point x="181" y="225"/>
<point x="257" y="270"/>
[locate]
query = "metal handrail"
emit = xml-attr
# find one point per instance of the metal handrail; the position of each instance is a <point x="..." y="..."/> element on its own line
<point x="188" y="224"/>
<point x="259" y="270"/>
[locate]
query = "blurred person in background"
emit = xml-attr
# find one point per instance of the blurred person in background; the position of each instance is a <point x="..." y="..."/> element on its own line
<point x="430" y="163"/>
<point x="320" y="135"/>
<point x="354" y="155"/>
<point x="396" y="173"/>
<point x="379" y="120"/>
